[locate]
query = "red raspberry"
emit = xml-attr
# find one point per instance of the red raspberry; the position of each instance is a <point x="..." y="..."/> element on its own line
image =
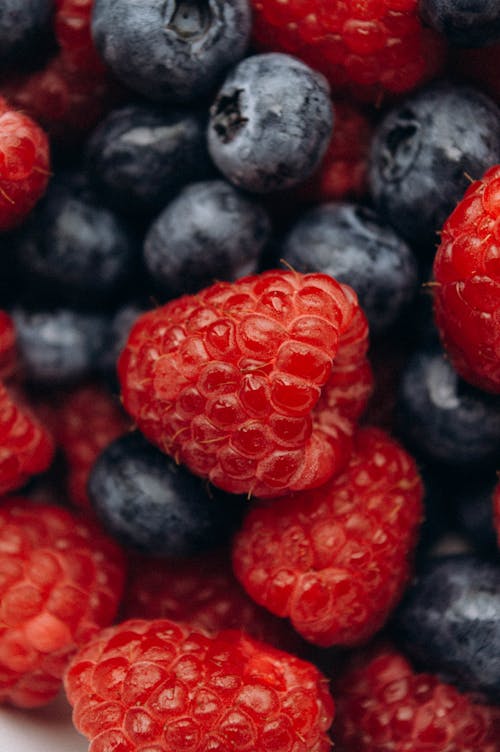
<point x="26" y="447"/>
<point x="24" y="165"/>
<point x="367" y="47"/>
<point x="60" y="581"/>
<point x="7" y="344"/>
<point x="467" y="291"/>
<point x="163" y="687"/>
<point x="73" y="33"/>
<point x="256" y="384"/>
<point x="203" y="592"/>
<point x="336" y="560"/>
<point x="382" y="704"/>
<point x="88" y="420"/>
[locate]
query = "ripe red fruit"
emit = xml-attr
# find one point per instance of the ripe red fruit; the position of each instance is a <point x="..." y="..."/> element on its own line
<point x="72" y="26"/>
<point x="467" y="290"/>
<point x="60" y="581"/>
<point x="24" y="165"/>
<point x="336" y="560"/>
<point x="165" y="687"/>
<point x="7" y="344"/>
<point x="382" y="704"/>
<point x="255" y="385"/>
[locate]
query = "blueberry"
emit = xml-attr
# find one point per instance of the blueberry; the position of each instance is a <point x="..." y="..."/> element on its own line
<point x="171" y="50"/>
<point x="116" y="338"/>
<point x="151" y="504"/>
<point x="59" y="347"/>
<point x="140" y="155"/>
<point x="24" y="28"/>
<point x="351" y="244"/>
<point x="444" y="419"/>
<point x="210" y="231"/>
<point x="270" y="123"/>
<point x="74" y="249"/>
<point x="465" y="23"/>
<point x="473" y="498"/>
<point x="449" y="622"/>
<point x="424" y="154"/>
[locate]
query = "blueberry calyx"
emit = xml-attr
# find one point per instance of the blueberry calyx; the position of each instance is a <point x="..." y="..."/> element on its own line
<point x="227" y="119"/>
<point x="188" y="19"/>
<point x="402" y="146"/>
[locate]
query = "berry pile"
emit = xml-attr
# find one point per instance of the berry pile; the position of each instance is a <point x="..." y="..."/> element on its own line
<point x="250" y="372"/>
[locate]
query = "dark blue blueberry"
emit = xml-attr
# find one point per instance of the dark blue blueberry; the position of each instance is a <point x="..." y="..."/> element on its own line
<point x="116" y="338"/>
<point x="149" y="503"/>
<point x="473" y="499"/>
<point x="139" y="156"/>
<point x="351" y="244"/>
<point x="444" y="419"/>
<point x="171" y="50"/>
<point x="465" y="23"/>
<point x="59" y="347"/>
<point x="449" y="622"/>
<point x="210" y="231"/>
<point x="270" y="123"/>
<point x="24" y="28"/>
<point x="75" y="250"/>
<point x="424" y="154"/>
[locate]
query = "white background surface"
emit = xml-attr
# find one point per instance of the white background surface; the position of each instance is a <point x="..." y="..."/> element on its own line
<point x="46" y="729"/>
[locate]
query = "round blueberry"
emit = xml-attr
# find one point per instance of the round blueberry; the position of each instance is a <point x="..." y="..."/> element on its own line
<point x="59" y="347"/>
<point x="140" y="155"/>
<point x="449" y="622"/>
<point x="270" y="123"/>
<point x="425" y="153"/>
<point x="350" y="243"/>
<point x="210" y="231"/>
<point x="149" y="503"/>
<point x="171" y="50"/>
<point x="443" y="418"/>
<point x="465" y="23"/>
<point x="75" y="249"/>
<point x="24" y="27"/>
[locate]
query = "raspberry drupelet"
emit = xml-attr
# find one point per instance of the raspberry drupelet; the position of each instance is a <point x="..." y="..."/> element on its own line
<point x="467" y="289"/>
<point x="336" y="560"/>
<point x="161" y="686"/>
<point x="61" y="581"/>
<point x="256" y="385"/>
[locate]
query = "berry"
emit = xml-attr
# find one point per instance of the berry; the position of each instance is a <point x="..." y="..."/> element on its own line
<point x="88" y="419"/>
<point x="163" y="686"/>
<point x="61" y="581"/>
<point x="370" y="49"/>
<point x="449" y="622"/>
<point x="443" y="418"/>
<point x="26" y="447"/>
<point x="271" y="123"/>
<point x="255" y="384"/>
<point x="150" y="504"/>
<point x="423" y="154"/>
<point x="350" y="243"/>
<point x="464" y="23"/>
<point x="203" y="592"/>
<point x="171" y="51"/>
<point x="209" y="231"/>
<point x="7" y="344"/>
<point x="383" y="704"/>
<point x="336" y="560"/>
<point x="24" y="28"/>
<point x="116" y="339"/>
<point x="24" y="165"/>
<point x="139" y="156"/>
<point x="73" y="250"/>
<point x="58" y="347"/>
<point x="72" y="30"/>
<point x="467" y="291"/>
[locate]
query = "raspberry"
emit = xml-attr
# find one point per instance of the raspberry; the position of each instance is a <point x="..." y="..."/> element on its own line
<point x="467" y="291"/>
<point x="73" y="33"/>
<point x="203" y="592"/>
<point x="161" y="686"/>
<point x="382" y="704"/>
<point x="7" y="344"/>
<point x="88" y="420"/>
<point x="335" y="560"/>
<point x="60" y="581"/>
<point x="24" y="165"/>
<point x="26" y="447"/>
<point x="366" y="48"/>
<point x="255" y="385"/>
